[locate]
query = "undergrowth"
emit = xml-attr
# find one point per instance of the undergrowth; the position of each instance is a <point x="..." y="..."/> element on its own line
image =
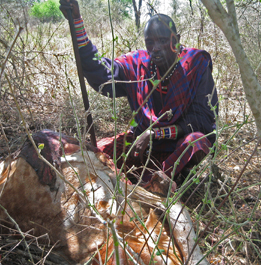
<point x="37" y="68"/>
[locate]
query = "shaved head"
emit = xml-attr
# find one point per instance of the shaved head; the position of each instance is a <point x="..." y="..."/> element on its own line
<point x="163" y="20"/>
<point x="161" y="37"/>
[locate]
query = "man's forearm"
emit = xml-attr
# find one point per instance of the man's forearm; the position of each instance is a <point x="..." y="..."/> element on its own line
<point x="81" y="34"/>
<point x="171" y="132"/>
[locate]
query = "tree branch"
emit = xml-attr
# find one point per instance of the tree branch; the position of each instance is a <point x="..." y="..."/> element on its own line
<point x="250" y="82"/>
<point x="232" y="12"/>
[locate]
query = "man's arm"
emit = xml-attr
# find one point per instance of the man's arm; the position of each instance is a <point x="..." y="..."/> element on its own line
<point x="199" y="117"/>
<point x="96" y="71"/>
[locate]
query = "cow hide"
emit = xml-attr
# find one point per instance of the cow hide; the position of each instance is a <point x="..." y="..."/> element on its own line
<point x="78" y="213"/>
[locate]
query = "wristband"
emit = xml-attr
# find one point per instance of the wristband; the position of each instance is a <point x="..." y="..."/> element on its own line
<point x="81" y="34"/>
<point x="166" y="132"/>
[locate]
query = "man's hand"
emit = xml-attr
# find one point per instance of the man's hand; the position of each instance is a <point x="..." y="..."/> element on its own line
<point x="141" y="145"/>
<point x="70" y="4"/>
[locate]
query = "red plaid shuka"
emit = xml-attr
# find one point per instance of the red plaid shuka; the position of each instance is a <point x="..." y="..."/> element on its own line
<point x="182" y="89"/>
<point x="159" y="160"/>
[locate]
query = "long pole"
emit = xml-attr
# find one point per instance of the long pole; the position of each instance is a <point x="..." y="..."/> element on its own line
<point x="81" y="77"/>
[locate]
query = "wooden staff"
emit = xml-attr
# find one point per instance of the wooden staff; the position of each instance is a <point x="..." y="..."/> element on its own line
<point x="81" y="77"/>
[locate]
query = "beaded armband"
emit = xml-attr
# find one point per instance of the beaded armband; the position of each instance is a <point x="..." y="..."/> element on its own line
<point x="81" y="34"/>
<point x="166" y="133"/>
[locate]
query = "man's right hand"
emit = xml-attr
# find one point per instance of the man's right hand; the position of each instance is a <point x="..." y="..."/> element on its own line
<point x="141" y="144"/>
<point x="70" y="4"/>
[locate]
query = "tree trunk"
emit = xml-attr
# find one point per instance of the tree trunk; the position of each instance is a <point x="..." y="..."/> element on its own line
<point x="137" y="13"/>
<point x="227" y="22"/>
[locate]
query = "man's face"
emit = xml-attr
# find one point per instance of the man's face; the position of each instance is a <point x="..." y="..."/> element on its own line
<point x="159" y="43"/>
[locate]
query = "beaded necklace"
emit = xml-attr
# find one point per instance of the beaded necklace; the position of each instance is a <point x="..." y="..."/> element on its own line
<point x="161" y="88"/>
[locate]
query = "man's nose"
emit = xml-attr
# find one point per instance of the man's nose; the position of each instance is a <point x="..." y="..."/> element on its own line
<point x="156" y="47"/>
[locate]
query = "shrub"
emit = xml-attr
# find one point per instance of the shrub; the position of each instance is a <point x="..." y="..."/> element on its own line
<point x="46" y="11"/>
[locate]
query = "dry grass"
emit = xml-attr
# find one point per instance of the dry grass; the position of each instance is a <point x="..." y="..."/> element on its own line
<point x="37" y="68"/>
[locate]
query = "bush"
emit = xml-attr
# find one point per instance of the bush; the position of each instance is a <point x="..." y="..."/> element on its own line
<point x="47" y="10"/>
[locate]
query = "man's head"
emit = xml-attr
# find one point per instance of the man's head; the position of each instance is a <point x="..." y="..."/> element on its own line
<point x="160" y="38"/>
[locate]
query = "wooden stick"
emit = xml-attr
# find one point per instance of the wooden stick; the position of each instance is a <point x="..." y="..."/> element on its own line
<point x="81" y="77"/>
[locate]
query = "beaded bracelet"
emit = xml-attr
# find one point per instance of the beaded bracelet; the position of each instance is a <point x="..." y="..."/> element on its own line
<point x="166" y="133"/>
<point x="81" y="34"/>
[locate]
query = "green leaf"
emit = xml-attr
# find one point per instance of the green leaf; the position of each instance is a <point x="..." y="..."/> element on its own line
<point x="41" y="146"/>
<point x="155" y="82"/>
<point x="131" y="219"/>
<point x="97" y="56"/>
<point x="133" y="123"/>
<point x="114" y="117"/>
<point x="159" y="252"/>
<point x="224" y="147"/>
<point x="127" y="144"/>
<point x="120" y="191"/>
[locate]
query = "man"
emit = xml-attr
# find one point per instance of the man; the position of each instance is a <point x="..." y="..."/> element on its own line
<point x="172" y="115"/>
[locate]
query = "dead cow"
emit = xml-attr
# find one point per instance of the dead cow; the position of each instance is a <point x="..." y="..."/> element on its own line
<point x="76" y="213"/>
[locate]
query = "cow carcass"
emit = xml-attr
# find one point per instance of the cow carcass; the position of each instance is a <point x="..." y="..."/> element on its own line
<point x="86" y="212"/>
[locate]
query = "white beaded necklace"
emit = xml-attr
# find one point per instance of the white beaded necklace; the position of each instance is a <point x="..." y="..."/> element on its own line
<point x="154" y="74"/>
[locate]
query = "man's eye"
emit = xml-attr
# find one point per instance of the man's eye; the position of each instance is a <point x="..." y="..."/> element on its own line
<point x="148" y="42"/>
<point x="163" y="41"/>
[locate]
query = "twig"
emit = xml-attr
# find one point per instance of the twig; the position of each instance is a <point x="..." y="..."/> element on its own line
<point x="9" y="52"/>
<point x="2" y="128"/>
<point x="20" y="231"/>
<point x="115" y="242"/>
<point x="221" y="204"/>
<point x="99" y="217"/>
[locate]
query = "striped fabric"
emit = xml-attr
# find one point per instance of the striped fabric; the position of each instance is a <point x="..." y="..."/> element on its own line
<point x="81" y="34"/>
<point x="181" y="88"/>
<point x="181" y="94"/>
<point x="159" y="160"/>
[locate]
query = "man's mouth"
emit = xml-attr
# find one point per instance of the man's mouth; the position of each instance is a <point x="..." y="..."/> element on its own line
<point x="157" y="58"/>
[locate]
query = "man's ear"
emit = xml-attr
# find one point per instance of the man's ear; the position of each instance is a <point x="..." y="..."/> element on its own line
<point x="174" y="39"/>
